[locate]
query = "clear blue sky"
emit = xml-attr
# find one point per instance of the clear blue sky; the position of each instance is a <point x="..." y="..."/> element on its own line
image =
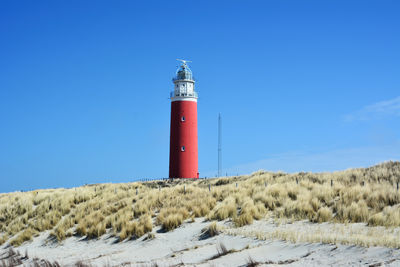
<point x="301" y="86"/>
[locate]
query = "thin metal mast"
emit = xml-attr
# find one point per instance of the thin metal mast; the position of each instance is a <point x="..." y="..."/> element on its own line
<point x="219" y="145"/>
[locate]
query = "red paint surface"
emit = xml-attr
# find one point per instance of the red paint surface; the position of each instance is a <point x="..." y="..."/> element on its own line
<point x="183" y="164"/>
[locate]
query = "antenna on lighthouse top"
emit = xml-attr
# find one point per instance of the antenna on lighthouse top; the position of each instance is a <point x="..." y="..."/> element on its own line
<point x="183" y="61"/>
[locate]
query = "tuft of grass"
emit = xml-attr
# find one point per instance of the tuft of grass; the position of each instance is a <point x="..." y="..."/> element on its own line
<point x="221" y="249"/>
<point x="324" y="214"/>
<point x="129" y="230"/>
<point x="59" y="233"/>
<point x="248" y="212"/>
<point x="61" y="230"/>
<point x="243" y="219"/>
<point x="172" y="218"/>
<point x="26" y="235"/>
<point x="146" y="222"/>
<point x="172" y="221"/>
<point x="150" y="236"/>
<point x="201" y="210"/>
<point x="251" y="262"/>
<point x="136" y="229"/>
<point x="224" y="210"/>
<point x="96" y="230"/>
<point x="356" y="212"/>
<point x="377" y="219"/>
<point x="3" y="239"/>
<point x="213" y="229"/>
<point x="390" y="216"/>
<point x="210" y="231"/>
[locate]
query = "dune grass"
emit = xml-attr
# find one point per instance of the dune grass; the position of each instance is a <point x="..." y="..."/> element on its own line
<point x="131" y="210"/>
<point x="328" y="233"/>
<point x="211" y="230"/>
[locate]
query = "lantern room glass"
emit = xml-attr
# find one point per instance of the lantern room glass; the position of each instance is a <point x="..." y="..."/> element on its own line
<point x="183" y="73"/>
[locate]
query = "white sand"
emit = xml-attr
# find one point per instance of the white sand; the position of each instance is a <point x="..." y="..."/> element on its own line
<point x="183" y="246"/>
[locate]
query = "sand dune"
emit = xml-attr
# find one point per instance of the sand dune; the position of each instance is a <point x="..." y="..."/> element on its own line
<point x="343" y="218"/>
<point x="186" y="246"/>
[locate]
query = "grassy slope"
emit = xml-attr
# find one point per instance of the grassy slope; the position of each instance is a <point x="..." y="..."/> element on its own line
<point x="130" y="210"/>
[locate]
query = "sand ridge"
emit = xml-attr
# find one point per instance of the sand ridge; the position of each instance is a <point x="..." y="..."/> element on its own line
<point x="184" y="246"/>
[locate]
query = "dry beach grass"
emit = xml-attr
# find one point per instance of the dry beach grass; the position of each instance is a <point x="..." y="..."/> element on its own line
<point x="130" y="210"/>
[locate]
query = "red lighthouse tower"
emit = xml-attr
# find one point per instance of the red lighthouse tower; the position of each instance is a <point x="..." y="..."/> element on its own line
<point x="183" y="153"/>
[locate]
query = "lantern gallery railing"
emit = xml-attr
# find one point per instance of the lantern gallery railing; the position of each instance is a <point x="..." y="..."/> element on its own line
<point x="186" y="78"/>
<point x="193" y="94"/>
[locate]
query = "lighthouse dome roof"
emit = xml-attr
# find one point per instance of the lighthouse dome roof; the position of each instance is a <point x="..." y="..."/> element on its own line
<point x="183" y="73"/>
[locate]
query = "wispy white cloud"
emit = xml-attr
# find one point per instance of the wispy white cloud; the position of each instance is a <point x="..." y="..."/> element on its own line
<point x="332" y="160"/>
<point x="376" y="111"/>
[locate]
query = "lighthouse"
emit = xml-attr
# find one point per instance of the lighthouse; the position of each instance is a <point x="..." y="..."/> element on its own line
<point x="183" y="150"/>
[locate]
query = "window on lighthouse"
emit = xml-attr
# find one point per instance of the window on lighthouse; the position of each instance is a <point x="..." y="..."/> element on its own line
<point x="183" y="118"/>
<point x="182" y="148"/>
<point x="183" y="89"/>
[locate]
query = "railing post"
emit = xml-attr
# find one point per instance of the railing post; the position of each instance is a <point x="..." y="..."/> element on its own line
<point x="209" y="188"/>
<point x="331" y="182"/>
